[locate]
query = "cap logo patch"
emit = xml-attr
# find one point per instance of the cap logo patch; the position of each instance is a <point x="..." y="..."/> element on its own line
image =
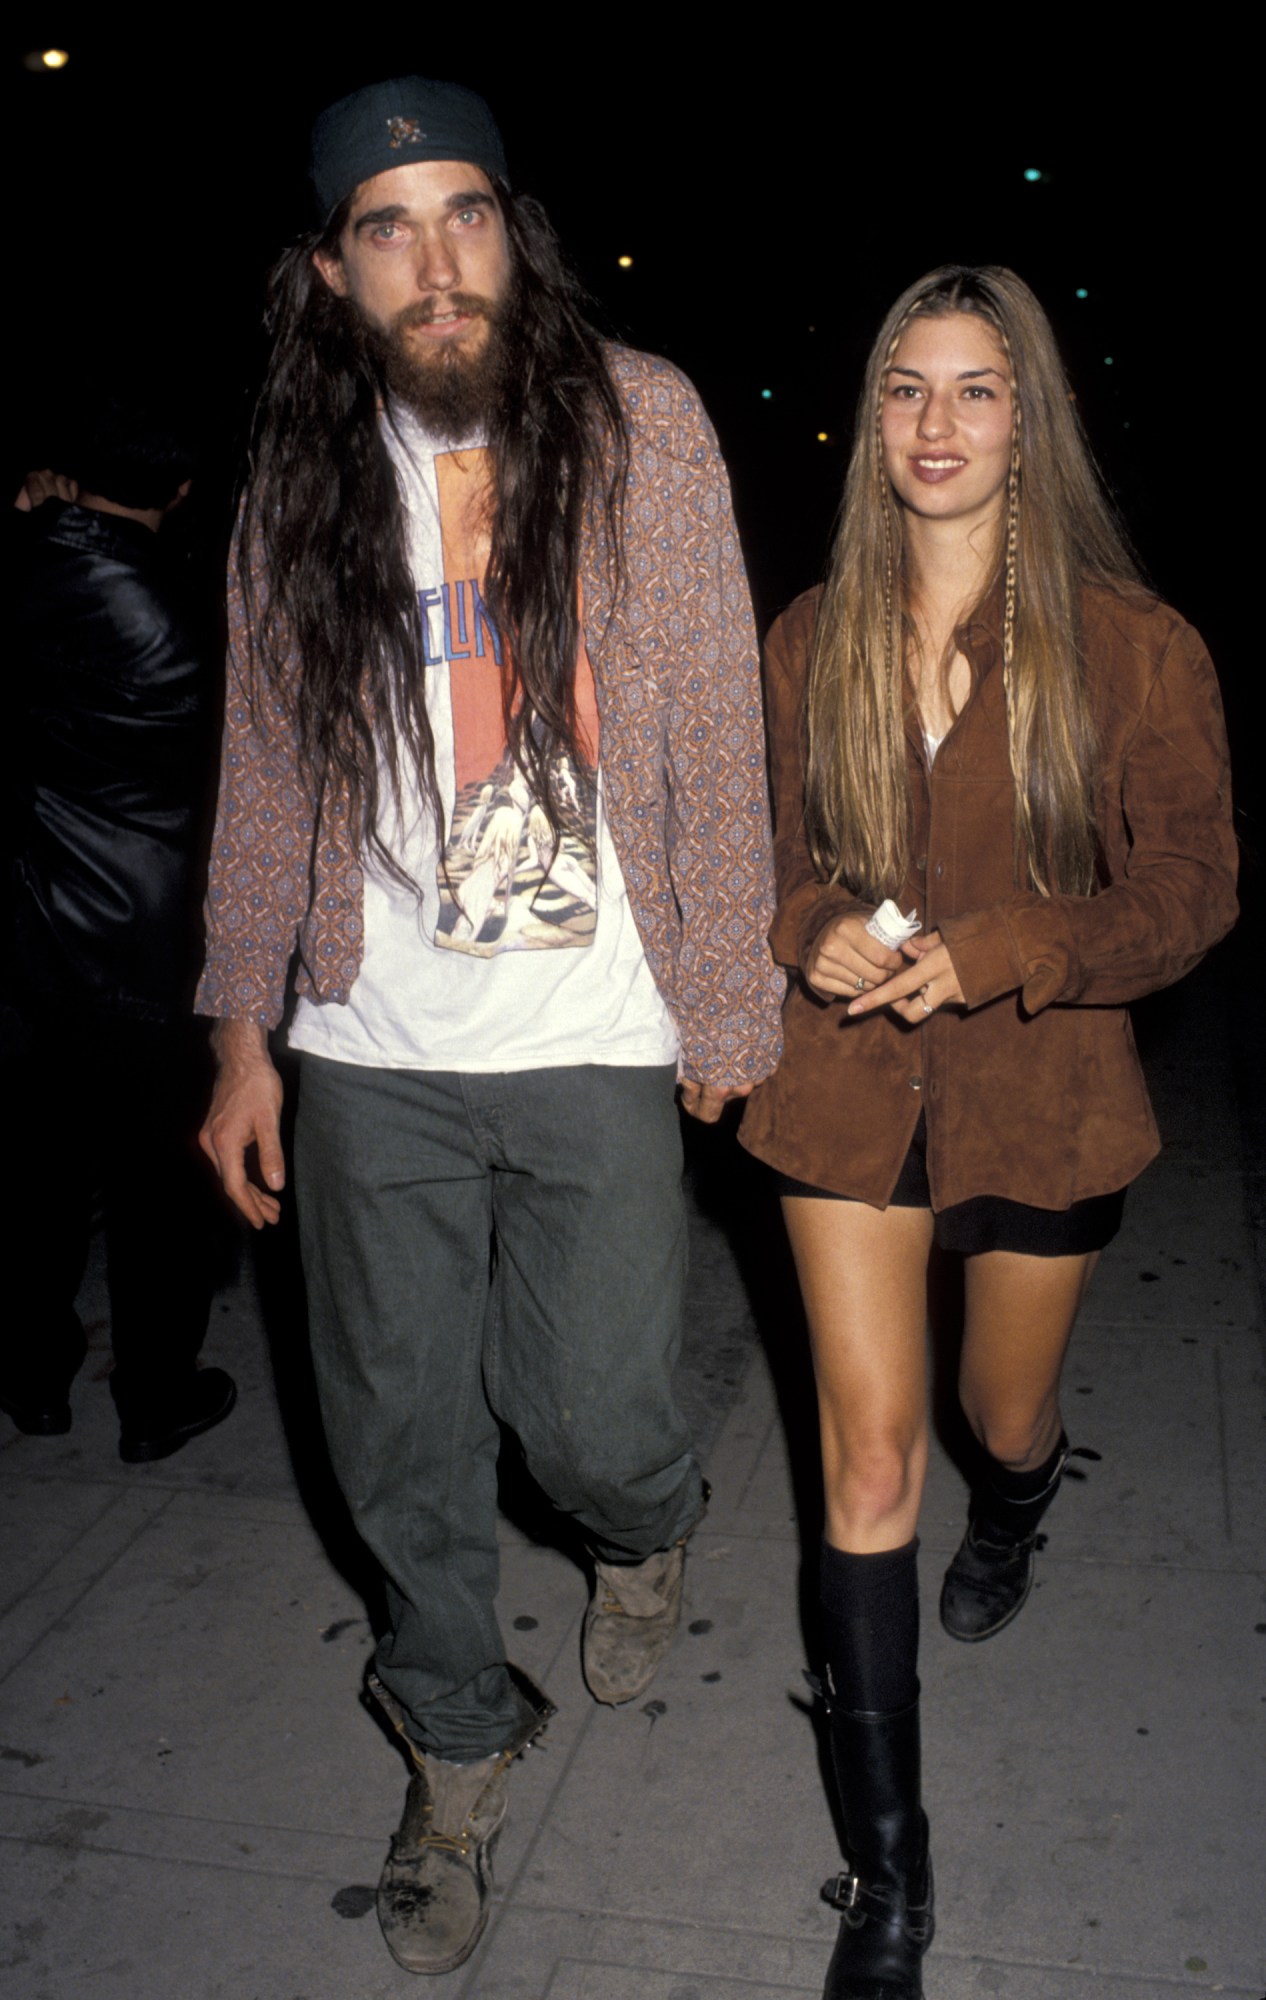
<point x="405" y="132"/>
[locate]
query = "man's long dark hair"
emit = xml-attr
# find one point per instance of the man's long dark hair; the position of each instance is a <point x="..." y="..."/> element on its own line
<point x="322" y="555"/>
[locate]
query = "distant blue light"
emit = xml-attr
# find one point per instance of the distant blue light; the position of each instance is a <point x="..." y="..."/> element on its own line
<point x="1082" y="293"/>
<point x="1032" y="173"/>
<point x="1107" y="361"/>
<point x="767" y="395"/>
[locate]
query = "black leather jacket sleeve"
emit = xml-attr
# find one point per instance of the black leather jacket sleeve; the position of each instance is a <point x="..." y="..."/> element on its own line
<point x="109" y="766"/>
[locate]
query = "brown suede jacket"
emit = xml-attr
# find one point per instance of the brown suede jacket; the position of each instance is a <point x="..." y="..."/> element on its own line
<point x="676" y="667"/>
<point x="1032" y="1090"/>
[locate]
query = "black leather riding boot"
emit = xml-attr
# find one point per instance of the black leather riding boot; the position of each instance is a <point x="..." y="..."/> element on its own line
<point x="885" y="1896"/>
<point x="988" y="1582"/>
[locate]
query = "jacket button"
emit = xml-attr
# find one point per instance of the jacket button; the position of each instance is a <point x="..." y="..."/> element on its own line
<point x="916" y="1083"/>
<point x="940" y="870"/>
<point x="920" y="862"/>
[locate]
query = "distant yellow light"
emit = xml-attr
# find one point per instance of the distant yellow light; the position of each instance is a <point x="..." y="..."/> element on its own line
<point x="54" y="58"/>
<point x="625" y="263"/>
<point x="823" y="437"/>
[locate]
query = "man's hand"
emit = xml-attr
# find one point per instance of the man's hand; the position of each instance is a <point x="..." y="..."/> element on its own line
<point x="706" y="1101"/>
<point x="38" y="487"/>
<point x="245" y="1112"/>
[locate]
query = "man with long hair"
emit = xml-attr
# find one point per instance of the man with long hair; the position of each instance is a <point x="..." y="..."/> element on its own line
<point x="493" y="757"/>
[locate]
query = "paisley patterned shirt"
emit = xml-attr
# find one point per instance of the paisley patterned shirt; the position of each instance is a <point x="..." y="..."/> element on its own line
<point x="675" y="661"/>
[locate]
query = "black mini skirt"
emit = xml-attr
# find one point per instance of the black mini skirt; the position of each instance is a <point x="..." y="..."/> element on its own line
<point x="990" y="1221"/>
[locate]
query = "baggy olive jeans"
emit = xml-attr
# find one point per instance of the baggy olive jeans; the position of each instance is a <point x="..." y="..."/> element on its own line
<point x="478" y="1247"/>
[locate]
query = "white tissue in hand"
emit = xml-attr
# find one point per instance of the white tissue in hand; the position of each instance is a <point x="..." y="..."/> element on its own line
<point x="890" y="927"/>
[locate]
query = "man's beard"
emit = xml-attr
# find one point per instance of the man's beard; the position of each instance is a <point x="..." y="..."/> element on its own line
<point x="453" y="393"/>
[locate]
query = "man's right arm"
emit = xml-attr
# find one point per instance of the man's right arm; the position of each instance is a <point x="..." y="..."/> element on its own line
<point x="260" y="880"/>
<point x="257" y="894"/>
<point x="246" y="1113"/>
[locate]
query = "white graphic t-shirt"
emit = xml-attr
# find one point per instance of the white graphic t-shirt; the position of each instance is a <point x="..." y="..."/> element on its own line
<point x="515" y="956"/>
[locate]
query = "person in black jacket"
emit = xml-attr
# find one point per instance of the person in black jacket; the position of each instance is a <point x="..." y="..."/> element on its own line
<point x="112" y="700"/>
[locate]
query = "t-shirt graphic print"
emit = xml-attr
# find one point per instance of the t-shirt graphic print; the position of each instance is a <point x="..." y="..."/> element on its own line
<point x="486" y="946"/>
<point x="504" y="883"/>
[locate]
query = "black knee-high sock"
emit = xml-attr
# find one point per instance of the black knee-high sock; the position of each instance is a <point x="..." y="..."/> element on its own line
<point x="1013" y="1503"/>
<point x="870" y="1627"/>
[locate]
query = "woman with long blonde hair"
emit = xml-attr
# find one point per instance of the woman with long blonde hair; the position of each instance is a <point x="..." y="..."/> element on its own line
<point x="1001" y="814"/>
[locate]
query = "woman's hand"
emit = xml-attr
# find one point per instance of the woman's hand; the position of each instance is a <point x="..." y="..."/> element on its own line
<point x="926" y="984"/>
<point x="847" y="960"/>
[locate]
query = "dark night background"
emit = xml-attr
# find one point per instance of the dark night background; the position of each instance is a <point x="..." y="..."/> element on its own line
<point x="775" y="195"/>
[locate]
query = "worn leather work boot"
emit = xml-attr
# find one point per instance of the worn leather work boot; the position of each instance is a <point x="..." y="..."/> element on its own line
<point x="988" y="1582"/>
<point x="629" y="1626"/>
<point x="633" y="1614"/>
<point x="436" y="1885"/>
<point x="885" y="1898"/>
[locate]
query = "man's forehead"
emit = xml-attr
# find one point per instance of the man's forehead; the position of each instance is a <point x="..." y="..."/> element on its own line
<point x="420" y="184"/>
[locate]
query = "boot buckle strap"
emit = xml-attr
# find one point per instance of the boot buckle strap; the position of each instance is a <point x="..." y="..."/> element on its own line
<point x="843" y="1892"/>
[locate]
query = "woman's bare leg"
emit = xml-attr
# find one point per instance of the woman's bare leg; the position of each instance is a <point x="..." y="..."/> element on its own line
<point x="863" y="1277"/>
<point x="863" y="1274"/>
<point x="1019" y="1317"/>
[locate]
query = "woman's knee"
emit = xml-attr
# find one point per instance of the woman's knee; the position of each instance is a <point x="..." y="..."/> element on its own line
<point x="873" y="1479"/>
<point x="1018" y="1439"/>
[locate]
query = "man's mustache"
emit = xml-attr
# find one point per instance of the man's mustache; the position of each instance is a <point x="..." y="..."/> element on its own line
<point x="427" y="310"/>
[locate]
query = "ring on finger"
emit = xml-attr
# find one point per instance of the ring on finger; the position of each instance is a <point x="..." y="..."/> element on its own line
<point x="861" y="983"/>
<point x="923" y="999"/>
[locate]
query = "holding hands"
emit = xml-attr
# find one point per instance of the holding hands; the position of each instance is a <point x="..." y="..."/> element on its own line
<point x="849" y="964"/>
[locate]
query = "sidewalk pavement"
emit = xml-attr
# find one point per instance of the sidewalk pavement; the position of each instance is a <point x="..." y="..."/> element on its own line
<point x="193" y="1806"/>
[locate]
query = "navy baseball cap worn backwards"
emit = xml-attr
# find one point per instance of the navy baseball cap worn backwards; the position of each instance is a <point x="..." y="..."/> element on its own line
<point x="390" y="124"/>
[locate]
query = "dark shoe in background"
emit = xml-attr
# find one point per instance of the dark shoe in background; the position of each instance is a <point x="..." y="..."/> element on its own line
<point x="158" y="1433"/>
<point x="39" y="1370"/>
<point x="37" y="1415"/>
